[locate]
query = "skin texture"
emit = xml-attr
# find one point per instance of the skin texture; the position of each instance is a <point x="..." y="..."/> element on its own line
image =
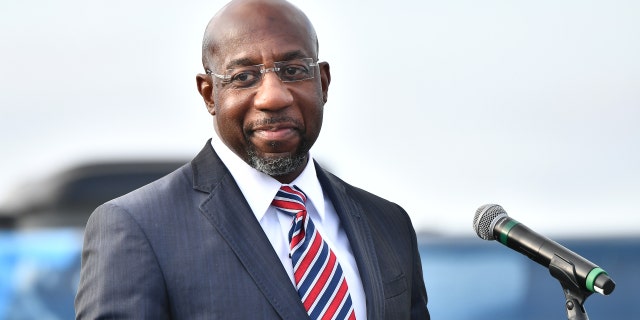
<point x="273" y="125"/>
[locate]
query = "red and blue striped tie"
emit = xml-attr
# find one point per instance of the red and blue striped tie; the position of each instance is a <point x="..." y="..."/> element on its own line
<point x="317" y="273"/>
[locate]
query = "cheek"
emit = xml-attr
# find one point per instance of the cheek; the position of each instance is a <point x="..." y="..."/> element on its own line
<point x="318" y="120"/>
<point x="229" y="119"/>
<point x="229" y="108"/>
<point x="313" y="116"/>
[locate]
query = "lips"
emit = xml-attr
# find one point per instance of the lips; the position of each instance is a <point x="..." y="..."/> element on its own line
<point x="283" y="134"/>
<point x="275" y="132"/>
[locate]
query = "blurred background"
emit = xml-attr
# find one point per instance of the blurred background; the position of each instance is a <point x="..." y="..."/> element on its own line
<point x="452" y="104"/>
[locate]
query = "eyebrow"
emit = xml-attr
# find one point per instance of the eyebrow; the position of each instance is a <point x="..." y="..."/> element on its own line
<point x="295" y="54"/>
<point x="239" y="62"/>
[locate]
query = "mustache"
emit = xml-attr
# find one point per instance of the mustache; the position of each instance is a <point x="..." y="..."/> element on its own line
<point x="297" y="125"/>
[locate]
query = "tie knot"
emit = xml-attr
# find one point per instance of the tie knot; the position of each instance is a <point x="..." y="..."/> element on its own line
<point x="290" y="199"/>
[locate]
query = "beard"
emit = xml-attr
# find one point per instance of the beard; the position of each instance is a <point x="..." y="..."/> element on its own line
<point x="278" y="165"/>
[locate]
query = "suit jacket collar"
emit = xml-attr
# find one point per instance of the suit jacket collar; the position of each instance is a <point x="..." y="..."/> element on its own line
<point x="230" y="214"/>
<point x="354" y="222"/>
<point x="227" y="210"/>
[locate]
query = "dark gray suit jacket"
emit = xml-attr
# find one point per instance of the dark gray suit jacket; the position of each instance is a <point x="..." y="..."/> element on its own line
<point x="188" y="247"/>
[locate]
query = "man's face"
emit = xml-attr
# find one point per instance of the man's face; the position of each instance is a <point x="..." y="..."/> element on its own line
<point x="273" y="124"/>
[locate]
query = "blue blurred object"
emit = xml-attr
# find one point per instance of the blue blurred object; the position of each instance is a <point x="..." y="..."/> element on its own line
<point x="39" y="272"/>
<point x="477" y="280"/>
<point x="466" y="278"/>
<point x="41" y="234"/>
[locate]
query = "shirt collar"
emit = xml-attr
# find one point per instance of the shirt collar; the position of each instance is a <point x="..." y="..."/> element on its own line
<point x="259" y="189"/>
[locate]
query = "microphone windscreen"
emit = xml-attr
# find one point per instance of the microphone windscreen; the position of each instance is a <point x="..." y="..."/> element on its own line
<point x="485" y="218"/>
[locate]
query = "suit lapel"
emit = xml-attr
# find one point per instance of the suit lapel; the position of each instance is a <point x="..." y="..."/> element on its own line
<point x="230" y="214"/>
<point x="357" y="229"/>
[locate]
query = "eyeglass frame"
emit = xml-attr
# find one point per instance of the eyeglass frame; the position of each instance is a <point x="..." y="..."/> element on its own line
<point x="310" y="62"/>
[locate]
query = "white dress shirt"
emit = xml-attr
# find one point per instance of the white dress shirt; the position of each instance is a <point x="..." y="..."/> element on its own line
<point x="259" y="190"/>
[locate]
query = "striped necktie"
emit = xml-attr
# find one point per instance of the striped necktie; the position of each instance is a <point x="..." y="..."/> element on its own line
<point x="317" y="273"/>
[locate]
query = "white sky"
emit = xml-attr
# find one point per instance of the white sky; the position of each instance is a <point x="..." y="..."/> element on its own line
<point x="440" y="106"/>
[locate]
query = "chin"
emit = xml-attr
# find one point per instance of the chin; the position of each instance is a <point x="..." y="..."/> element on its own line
<point x="277" y="165"/>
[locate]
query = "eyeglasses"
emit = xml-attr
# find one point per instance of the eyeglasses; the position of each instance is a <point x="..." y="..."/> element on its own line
<point x="244" y="77"/>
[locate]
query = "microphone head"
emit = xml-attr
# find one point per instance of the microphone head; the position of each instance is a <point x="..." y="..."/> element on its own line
<point x="485" y="220"/>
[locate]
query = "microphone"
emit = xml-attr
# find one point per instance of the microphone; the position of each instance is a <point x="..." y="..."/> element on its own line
<point x="491" y="222"/>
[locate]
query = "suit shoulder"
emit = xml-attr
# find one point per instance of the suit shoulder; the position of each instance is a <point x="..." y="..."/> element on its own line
<point x="160" y="190"/>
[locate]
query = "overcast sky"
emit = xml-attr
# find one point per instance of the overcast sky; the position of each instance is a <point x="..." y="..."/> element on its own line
<point x="440" y="106"/>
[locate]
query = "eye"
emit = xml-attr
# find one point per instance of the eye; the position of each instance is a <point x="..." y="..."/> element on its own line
<point x="294" y="72"/>
<point x="244" y="78"/>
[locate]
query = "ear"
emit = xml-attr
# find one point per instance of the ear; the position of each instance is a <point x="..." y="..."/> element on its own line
<point x="205" y="87"/>
<point x="325" y="79"/>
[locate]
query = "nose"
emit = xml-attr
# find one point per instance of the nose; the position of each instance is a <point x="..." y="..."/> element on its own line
<point x="272" y="94"/>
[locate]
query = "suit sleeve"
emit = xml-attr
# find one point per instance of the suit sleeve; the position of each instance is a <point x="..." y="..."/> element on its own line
<point x="418" y="291"/>
<point x="120" y="277"/>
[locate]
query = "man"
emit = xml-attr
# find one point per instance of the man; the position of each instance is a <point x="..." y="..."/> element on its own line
<point x="235" y="233"/>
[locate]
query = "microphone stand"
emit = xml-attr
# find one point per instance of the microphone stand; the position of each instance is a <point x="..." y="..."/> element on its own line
<point x="574" y="295"/>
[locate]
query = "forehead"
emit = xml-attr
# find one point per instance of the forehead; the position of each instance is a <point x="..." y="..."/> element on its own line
<point x="261" y="32"/>
<point x="269" y="49"/>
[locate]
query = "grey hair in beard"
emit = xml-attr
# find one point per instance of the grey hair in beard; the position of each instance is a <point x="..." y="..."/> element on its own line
<point x="277" y="166"/>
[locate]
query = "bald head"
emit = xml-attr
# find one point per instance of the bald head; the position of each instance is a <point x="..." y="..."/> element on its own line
<point x="251" y="21"/>
<point x="269" y="120"/>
